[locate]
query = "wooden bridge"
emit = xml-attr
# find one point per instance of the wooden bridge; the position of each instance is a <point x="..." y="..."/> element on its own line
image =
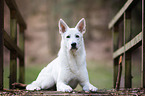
<point x="100" y="92"/>
<point x="124" y="43"/>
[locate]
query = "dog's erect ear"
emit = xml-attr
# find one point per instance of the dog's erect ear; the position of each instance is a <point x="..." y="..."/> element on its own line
<point x="62" y="26"/>
<point x="81" y="26"/>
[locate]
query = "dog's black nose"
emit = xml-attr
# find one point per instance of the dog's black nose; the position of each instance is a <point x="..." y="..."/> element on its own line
<point x="73" y="45"/>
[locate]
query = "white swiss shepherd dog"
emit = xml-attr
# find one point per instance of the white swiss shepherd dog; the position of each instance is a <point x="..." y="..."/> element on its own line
<point x="69" y="69"/>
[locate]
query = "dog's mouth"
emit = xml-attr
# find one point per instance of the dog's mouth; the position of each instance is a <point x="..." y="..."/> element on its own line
<point x="74" y="48"/>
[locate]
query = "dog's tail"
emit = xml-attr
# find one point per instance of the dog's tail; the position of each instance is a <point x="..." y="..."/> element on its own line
<point x="19" y="85"/>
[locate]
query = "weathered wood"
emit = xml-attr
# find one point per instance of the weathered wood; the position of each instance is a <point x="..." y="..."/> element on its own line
<point x="120" y="13"/>
<point x="131" y="44"/>
<point x="128" y="5"/>
<point x="21" y="38"/>
<point x="115" y="33"/>
<point x="1" y="41"/>
<point x="127" y="55"/>
<point x="13" y="57"/>
<point x="22" y="71"/>
<point x="22" y="61"/>
<point x="115" y="71"/>
<point x="9" y="43"/>
<point x="100" y="92"/>
<point x="115" y="37"/>
<point x="127" y="26"/>
<point x="119" y="73"/>
<point x="143" y="44"/>
<point x="128" y="76"/>
<point x="13" y="6"/>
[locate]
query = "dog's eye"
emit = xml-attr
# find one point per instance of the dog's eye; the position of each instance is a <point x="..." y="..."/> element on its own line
<point x="68" y="36"/>
<point x="77" y="36"/>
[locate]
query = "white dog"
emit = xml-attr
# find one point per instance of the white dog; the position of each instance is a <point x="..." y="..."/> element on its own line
<point x="69" y="68"/>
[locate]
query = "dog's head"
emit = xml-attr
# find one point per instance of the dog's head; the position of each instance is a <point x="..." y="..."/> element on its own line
<point x="72" y="37"/>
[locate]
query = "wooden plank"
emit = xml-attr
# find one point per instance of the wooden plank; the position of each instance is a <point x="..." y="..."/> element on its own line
<point x="1" y="41"/>
<point x="115" y="33"/>
<point x="120" y="13"/>
<point x="118" y="52"/>
<point x="9" y="43"/>
<point x="13" y="6"/>
<point x="22" y="61"/>
<point x="115" y="37"/>
<point x="13" y="57"/>
<point x="133" y="42"/>
<point x="127" y="55"/>
<point x="137" y="39"/>
<point x="127" y="26"/>
<point x="128" y="76"/>
<point x="119" y="73"/>
<point x="143" y="44"/>
<point x="115" y="71"/>
<point x="22" y="71"/>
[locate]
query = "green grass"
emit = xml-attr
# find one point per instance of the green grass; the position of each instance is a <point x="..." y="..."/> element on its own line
<point x="100" y="74"/>
<point x="31" y="73"/>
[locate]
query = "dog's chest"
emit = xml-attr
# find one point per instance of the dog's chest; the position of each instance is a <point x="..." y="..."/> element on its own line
<point x="75" y="64"/>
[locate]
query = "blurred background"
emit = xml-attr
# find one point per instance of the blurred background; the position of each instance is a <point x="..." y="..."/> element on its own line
<point x="42" y="39"/>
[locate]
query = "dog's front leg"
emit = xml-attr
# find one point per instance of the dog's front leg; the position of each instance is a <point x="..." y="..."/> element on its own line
<point x="84" y="81"/>
<point x="62" y="81"/>
<point x="63" y="87"/>
<point x="87" y="86"/>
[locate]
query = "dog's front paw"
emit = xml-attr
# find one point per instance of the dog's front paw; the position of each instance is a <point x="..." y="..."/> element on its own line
<point x="90" y="87"/>
<point x="65" y="88"/>
<point x="32" y="87"/>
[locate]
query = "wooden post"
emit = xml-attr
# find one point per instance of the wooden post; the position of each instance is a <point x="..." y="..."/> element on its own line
<point x="115" y="37"/>
<point x="143" y="44"/>
<point x="119" y="73"/>
<point x="115" y="67"/>
<point x="22" y="60"/>
<point x="1" y="41"/>
<point x="128" y="76"/>
<point x="115" y="46"/>
<point x="127" y="37"/>
<point x="13" y="57"/>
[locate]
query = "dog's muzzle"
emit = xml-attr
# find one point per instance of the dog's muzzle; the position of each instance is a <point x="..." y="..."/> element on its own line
<point x="74" y="46"/>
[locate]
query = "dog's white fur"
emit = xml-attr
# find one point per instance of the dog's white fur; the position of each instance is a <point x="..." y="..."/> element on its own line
<point x="69" y="68"/>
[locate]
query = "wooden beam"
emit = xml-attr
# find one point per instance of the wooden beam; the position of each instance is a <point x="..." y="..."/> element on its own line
<point x="1" y="41"/>
<point x="115" y="33"/>
<point x="9" y="43"/>
<point x="120" y="13"/>
<point x="128" y="76"/>
<point x="119" y="73"/>
<point x="22" y="61"/>
<point x="115" y="71"/>
<point x="131" y="44"/>
<point x="127" y="26"/>
<point x="143" y="44"/>
<point x="127" y="55"/>
<point x="13" y="57"/>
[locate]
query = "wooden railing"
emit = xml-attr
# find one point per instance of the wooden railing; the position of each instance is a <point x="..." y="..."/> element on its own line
<point x="10" y="42"/>
<point x="123" y="42"/>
